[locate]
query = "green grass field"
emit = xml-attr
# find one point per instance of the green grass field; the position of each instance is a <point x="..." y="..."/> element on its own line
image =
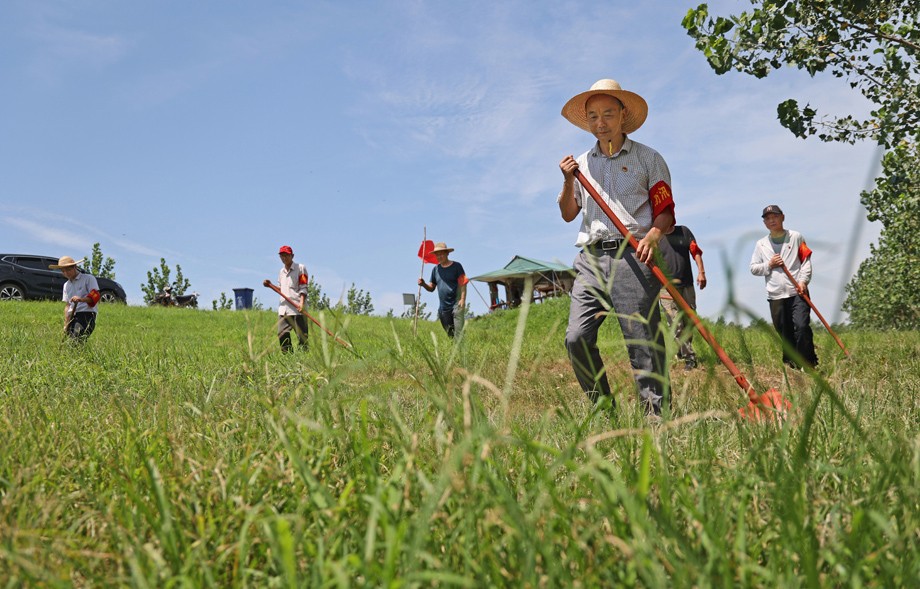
<point x="181" y="448"/>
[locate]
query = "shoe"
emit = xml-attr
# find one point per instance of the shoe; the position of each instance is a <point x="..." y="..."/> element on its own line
<point x="690" y="365"/>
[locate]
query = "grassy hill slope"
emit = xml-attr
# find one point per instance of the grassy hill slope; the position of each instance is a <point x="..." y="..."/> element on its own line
<point x="181" y="447"/>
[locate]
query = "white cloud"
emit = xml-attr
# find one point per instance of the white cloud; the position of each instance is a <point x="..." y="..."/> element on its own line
<point x="50" y="234"/>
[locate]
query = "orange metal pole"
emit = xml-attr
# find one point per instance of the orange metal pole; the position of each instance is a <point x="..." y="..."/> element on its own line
<point x="817" y="312"/>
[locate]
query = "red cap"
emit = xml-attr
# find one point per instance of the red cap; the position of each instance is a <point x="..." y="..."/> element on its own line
<point x="286" y="249"/>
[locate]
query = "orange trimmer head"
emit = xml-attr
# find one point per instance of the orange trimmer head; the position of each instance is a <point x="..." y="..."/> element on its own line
<point x="770" y="406"/>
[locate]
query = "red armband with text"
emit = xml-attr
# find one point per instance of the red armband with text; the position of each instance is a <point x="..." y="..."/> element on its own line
<point x="661" y="198"/>
<point x="93" y="297"/>
<point x="463" y="280"/>
<point x="303" y="279"/>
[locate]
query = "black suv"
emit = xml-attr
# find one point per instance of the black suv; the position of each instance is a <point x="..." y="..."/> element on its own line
<point x="28" y="277"/>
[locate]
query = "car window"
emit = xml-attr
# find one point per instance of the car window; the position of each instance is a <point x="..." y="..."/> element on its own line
<point x="32" y="262"/>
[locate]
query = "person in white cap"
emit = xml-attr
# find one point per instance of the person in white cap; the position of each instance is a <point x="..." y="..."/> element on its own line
<point x="790" y="312"/>
<point x="450" y="280"/>
<point x="81" y="293"/>
<point x="612" y="278"/>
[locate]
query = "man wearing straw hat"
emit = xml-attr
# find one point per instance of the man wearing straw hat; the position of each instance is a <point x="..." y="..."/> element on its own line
<point x="450" y="280"/>
<point x="612" y="278"/>
<point x="81" y="293"/>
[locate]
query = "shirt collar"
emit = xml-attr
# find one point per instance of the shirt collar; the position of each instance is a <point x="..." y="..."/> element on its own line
<point x="597" y="152"/>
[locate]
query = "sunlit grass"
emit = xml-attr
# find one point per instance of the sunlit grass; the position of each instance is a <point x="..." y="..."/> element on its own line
<point x="181" y="447"/>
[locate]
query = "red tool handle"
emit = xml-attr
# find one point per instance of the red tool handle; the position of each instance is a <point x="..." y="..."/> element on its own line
<point x="817" y="312"/>
<point x="675" y="294"/>
<point x="307" y="315"/>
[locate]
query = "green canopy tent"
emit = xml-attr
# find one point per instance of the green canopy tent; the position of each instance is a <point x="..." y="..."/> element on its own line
<point x="549" y="279"/>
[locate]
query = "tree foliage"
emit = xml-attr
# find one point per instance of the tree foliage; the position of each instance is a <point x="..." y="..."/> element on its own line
<point x="224" y="304"/>
<point x="886" y="290"/>
<point x="409" y="312"/>
<point x="872" y="44"/>
<point x="158" y="279"/>
<point x="357" y="302"/>
<point x="316" y="298"/>
<point x="99" y="266"/>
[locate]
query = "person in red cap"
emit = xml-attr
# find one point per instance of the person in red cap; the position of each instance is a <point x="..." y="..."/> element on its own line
<point x="293" y="280"/>
<point x="790" y="312"/>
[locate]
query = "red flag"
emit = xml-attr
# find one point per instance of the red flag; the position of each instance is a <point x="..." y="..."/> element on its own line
<point x="424" y="252"/>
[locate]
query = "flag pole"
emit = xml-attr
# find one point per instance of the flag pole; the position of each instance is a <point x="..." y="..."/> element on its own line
<point x="421" y="277"/>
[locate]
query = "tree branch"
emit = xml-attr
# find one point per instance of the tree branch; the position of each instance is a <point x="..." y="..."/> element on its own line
<point x="878" y="34"/>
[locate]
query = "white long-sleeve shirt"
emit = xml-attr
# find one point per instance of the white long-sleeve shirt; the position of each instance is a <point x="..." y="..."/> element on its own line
<point x="795" y="255"/>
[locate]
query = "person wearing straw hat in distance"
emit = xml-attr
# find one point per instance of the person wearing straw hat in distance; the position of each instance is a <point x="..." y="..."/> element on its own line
<point x="292" y="280"/>
<point x="791" y="314"/>
<point x="683" y="244"/>
<point x="612" y="278"/>
<point x="450" y="280"/>
<point x="81" y="293"/>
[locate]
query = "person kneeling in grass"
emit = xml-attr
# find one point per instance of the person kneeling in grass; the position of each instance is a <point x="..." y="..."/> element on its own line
<point x="81" y="293"/>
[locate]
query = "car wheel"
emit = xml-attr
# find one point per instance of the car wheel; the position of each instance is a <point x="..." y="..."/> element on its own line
<point x="11" y="292"/>
<point x="108" y="296"/>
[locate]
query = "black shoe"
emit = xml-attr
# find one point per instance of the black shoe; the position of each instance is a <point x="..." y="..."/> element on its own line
<point x="690" y="365"/>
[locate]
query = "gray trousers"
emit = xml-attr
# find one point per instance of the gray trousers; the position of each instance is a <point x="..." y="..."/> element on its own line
<point x="626" y="288"/>
<point x="683" y="330"/>
<point x="451" y="319"/>
<point x="289" y="323"/>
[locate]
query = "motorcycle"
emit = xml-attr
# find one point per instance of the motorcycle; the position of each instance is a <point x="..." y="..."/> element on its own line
<point x="166" y="298"/>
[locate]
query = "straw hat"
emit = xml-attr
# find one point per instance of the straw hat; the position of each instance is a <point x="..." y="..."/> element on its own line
<point x="65" y="262"/>
<point x="636" y="107"/>
<point x="441" y="247"/>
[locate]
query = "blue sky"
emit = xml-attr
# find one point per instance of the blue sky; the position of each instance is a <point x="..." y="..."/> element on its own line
<point x="210" y="133"/>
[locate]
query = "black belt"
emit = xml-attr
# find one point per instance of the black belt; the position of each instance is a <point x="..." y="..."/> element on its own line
<point x="608" y="246"/>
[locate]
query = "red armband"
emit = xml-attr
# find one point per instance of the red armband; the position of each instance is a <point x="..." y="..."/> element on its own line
<point x="695" y="249"/>
<point x="93" y="297"/>
<point x="661" y="198"/>
<point x="303" y="279"/>
<point x="463" y="280"/>
<point x="804" y="252"/>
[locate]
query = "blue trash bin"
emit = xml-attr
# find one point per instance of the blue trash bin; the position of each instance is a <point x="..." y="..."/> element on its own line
<point x="242" y="298"/>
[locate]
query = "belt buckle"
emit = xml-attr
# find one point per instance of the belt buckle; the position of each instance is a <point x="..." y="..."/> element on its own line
<point x="611" y="244"/>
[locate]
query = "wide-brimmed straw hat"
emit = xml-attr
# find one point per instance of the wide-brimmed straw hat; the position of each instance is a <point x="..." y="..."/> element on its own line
<point x="636" y="107"/>
<point x="441" y="247"/>
<point x="66" y="262"/>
